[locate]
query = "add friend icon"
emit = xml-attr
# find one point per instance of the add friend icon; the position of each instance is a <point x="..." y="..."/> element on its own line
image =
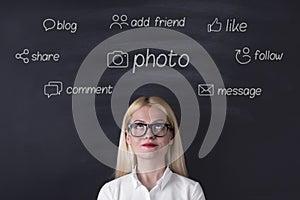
<point x="116" y="21"/>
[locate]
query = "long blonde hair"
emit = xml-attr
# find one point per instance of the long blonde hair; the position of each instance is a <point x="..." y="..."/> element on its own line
<point x="126" y="158"/>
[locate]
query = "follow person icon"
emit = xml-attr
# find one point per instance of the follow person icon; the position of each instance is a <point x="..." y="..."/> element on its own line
<point x="116" y="19"/>
<point x="242" y="56"/>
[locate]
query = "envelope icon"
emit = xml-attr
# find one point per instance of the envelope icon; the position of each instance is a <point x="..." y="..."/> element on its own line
<point x="205" y="89"/>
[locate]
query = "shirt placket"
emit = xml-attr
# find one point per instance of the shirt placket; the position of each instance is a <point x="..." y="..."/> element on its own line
<point x="145" y="193"/>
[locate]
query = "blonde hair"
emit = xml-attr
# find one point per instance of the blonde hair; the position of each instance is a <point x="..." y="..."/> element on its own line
<point x="126" y="159"/>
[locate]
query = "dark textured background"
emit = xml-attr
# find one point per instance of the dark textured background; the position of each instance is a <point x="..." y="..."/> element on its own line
<point x="257" y="155"/>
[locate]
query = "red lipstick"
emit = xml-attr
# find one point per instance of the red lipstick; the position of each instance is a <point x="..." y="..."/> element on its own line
<point x="149" y="145"/>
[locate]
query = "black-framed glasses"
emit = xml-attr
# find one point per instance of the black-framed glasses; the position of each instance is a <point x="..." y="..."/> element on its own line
<point x="157" y="129"/>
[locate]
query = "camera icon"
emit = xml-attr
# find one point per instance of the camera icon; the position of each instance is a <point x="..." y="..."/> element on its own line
<point x="117" y="59"/>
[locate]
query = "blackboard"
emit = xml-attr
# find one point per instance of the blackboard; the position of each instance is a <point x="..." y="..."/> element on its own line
<point x="252" y="44"/>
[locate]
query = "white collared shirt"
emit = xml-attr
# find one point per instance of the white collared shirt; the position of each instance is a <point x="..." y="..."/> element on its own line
<point x="170" y="186"/>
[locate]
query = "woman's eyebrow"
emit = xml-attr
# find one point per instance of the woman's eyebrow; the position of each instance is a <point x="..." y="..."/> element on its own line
<point x="155" y="121"/>
<point x="137" y="120"/>
<point x="159" y="120"/>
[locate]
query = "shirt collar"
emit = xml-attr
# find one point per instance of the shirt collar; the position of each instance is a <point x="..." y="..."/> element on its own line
<point x="161" y="183"/>
<point x="135" y="180"/>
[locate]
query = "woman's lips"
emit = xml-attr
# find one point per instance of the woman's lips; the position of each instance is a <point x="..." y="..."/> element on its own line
<point x="149" y="145"/>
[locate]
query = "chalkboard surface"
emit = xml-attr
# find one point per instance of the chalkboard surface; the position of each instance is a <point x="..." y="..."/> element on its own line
<point x="244" y="82"/>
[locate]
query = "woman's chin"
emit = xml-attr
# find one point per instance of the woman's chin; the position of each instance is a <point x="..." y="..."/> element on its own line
<point x="147" y="155"/>
<point x="151" y="154"/>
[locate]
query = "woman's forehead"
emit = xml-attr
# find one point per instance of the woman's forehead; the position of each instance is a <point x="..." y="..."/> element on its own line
<point x="149" y="114"/>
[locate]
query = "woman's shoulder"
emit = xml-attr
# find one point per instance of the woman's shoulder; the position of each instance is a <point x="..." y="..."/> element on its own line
<point x="118" y="181"/>
<point x="183" y="179"/>
<point x="188" y="186"/>
<point x="110" y="189"/>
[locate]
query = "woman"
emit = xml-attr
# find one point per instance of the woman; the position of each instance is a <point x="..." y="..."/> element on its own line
<point x="150" y="161"/>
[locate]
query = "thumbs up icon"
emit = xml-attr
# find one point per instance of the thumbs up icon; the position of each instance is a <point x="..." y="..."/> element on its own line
<point x="215" y="26"/>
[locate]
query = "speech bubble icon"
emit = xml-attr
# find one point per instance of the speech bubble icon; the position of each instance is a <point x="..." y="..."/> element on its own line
<point x="49" y="24"/>
<point x="59" y="84"/>
<point x="51" y="90"/>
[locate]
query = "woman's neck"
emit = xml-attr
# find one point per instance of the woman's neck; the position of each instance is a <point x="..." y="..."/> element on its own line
<point x="149" y="171"/>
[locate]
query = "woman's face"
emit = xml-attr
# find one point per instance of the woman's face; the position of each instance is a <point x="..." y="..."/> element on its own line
<point x="149" y="145"/>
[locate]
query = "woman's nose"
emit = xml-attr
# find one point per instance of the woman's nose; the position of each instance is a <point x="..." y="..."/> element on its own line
<point x="149" y="134"/>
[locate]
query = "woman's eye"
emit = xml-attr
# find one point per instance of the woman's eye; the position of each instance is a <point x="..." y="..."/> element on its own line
<point x="158" y="126"/>
<point x="139" y="126"/>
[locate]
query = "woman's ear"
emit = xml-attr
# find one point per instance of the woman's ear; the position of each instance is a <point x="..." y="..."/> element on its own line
<point x="171" y="139"/>
<point x="128" y="139"/>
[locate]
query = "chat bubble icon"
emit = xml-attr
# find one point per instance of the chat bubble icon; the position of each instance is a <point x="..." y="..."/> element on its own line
<point x="49" y="24"/>
<point x="58" y="83"/>
<point x="53" y="88"/>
